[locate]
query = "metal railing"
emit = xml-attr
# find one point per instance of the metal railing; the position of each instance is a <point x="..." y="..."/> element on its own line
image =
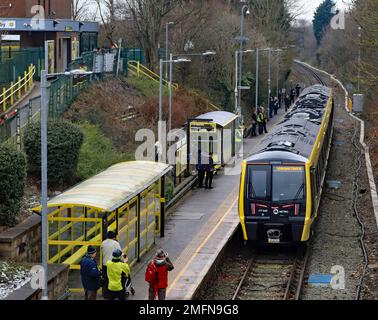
<point x="71" y="229"/>
<point x="137" y="69"/>
<point x="9" y="96"/>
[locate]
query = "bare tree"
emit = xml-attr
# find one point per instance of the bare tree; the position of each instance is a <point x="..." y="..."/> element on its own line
<point x="78" y="9"/>
<point x="148" y="16"/>
<point x="107" y="10"/>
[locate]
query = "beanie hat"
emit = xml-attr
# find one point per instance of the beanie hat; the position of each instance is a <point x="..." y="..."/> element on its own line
<point x="91" y="250"/>
<point x="117" y="254"/>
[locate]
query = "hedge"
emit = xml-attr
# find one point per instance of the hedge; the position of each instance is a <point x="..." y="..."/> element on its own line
<point x="12" y="183"/>
<point x="64" y="140"/>
<point x="97" y="152"/>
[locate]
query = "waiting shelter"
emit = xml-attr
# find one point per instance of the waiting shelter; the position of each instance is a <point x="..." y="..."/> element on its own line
<point x="127" y="198"/>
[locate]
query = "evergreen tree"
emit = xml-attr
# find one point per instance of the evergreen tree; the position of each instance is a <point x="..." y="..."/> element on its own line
<point x="322" y="18"/>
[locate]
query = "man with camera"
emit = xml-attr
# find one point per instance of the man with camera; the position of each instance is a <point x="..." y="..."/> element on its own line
<point x="157" y="275"/>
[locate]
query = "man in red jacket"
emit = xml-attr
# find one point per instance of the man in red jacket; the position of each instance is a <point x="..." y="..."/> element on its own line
<point x="157" y="275"/>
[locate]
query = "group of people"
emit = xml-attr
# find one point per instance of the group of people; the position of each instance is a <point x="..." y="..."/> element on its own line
<point x="260" y="116"/>
<point x="115" y="278"/>
<point x="205" y="168"/>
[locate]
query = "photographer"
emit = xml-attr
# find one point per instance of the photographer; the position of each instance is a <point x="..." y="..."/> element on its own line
<point x="157" y="275"/>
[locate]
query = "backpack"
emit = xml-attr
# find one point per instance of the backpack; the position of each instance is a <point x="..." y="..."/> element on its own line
<point x="151" y="273"/>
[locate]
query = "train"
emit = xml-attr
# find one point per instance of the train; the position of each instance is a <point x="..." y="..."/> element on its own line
<point x="282" y="182"/>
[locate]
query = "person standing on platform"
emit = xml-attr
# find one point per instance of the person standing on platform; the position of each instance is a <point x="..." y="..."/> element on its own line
<point x="108" y="247"/>
<point x="297" y="90"/>
<point x="292" y="96"/>
<point x="200" y="169"/>
<point x="90" y="275"/>
<point x="276" y="105"/>
<point x="279" y="98"/>
<point x="118" y="271"/>
<point x="260" y="121"/>
<point x="264" y="119"/>
<point x="287" y="103"/>
<point x="209" y="172"/>
<point x="254" y="123"/>
<point x="157" y="275"/>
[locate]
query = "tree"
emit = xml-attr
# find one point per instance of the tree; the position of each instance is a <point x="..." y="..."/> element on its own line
<point x="322" y="18"/>
<point x="148" y="16"/>
<point x="107" y="10"/>
<point x="78" y="11"/>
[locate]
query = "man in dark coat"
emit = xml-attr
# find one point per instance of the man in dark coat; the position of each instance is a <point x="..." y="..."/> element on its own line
<point x="209" y="172"/>
<point x="287" y="103"/>
<point x="254" y="123"/>
<point x="90" y="274"/>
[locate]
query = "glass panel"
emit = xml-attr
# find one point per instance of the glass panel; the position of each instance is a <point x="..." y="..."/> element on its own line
<point x="259" y="182"/>
<point x="288" y="183"/>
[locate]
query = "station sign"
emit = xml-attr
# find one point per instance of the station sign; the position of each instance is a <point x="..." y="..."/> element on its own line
<point x="7" y="24"/>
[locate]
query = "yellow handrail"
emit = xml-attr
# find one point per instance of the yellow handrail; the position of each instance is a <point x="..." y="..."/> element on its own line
<point x="7" y="97"/>
<point x="138" y="69"/>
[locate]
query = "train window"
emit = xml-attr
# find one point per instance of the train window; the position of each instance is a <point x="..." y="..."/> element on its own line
<point x="211" y="145"/>
<point x="288" y="183"/>
<point x="259" y="178"/>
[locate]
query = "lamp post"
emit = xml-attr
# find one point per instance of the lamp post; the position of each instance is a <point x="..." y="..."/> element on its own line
<point x="239" y="111"/>
<point x="44" y="76"/>
<point x="167" y="44"/>
<point x="206" y="53"/>
<point x="238" y="87"/>
<point x="359" y="59"/>
<point x="160" y="124"/>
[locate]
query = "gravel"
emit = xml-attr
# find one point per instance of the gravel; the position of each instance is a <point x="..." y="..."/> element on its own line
<point x="12" y="277"/>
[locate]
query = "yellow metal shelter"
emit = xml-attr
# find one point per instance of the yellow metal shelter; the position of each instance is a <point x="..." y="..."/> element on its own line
<point x="127" y="198"/>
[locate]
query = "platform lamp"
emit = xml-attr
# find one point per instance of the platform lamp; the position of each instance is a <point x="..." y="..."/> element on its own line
<point x="44" y="85"/>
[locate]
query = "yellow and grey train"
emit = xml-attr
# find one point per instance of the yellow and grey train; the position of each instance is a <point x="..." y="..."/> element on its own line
<point x="281" y="184"/>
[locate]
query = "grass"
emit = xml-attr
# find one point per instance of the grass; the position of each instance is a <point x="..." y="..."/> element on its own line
<point x="97" y="152"/>
<point x="146" y="87"/>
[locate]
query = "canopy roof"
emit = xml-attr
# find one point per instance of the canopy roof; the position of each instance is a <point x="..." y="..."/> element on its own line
<point x="113" y="187"/>
<point x="222" y="118"/>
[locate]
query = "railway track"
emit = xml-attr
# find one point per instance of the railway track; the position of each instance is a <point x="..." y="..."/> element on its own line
<point x="272" y="276"/>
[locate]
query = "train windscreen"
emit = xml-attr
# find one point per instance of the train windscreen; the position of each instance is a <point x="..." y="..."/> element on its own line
<point x="276" y="183"/>
<point x="288" y="183"/>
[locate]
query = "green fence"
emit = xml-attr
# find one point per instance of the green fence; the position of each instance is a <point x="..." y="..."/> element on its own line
<point x="61" y="93"/>
<point x="14" y="62"/>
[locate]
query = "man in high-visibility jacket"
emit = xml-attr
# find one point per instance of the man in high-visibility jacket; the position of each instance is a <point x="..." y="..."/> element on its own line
<point x="118" y="271"/>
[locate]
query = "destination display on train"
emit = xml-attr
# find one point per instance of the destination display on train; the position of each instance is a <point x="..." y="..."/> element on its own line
<point x="289" y="168"/>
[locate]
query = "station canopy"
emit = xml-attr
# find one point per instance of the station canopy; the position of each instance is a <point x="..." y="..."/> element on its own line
<point x="113" y="187"/>
<point x="222" y="118"/>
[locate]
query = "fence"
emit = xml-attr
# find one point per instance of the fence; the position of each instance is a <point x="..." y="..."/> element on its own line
<point x="62" y="91"/>
<point x="9" y="96"/>
<point x="14" y="61"/>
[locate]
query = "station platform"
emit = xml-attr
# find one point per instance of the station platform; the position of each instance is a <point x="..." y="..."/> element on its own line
<point x="197" y="230"/>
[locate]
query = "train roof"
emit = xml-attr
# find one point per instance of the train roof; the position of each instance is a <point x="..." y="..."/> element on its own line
<point x="297" y="132"/>
<point x="222" y="118"/>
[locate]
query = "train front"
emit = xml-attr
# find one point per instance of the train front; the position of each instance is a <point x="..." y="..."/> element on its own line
<point x="272" y="199"/>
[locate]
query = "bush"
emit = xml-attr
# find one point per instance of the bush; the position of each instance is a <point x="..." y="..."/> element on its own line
<point x="97" y="152"/>
<point x="64" y="140"/>
<point x="12" y="183"/>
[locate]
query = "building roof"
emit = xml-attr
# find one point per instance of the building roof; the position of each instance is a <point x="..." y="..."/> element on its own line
<point x="113" y="187"/>
<point x="222" y="118"/>
<point x="57" y="25"/>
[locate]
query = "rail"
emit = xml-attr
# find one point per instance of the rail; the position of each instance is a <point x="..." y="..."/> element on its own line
<point x="9" y="96"/>
<point x="138" y="69"/>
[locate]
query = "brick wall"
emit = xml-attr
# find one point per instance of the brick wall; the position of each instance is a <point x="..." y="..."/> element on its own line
<point x="57" y="287"/>
<point x="54" y="9"/>
<point x="23" y="242"/>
